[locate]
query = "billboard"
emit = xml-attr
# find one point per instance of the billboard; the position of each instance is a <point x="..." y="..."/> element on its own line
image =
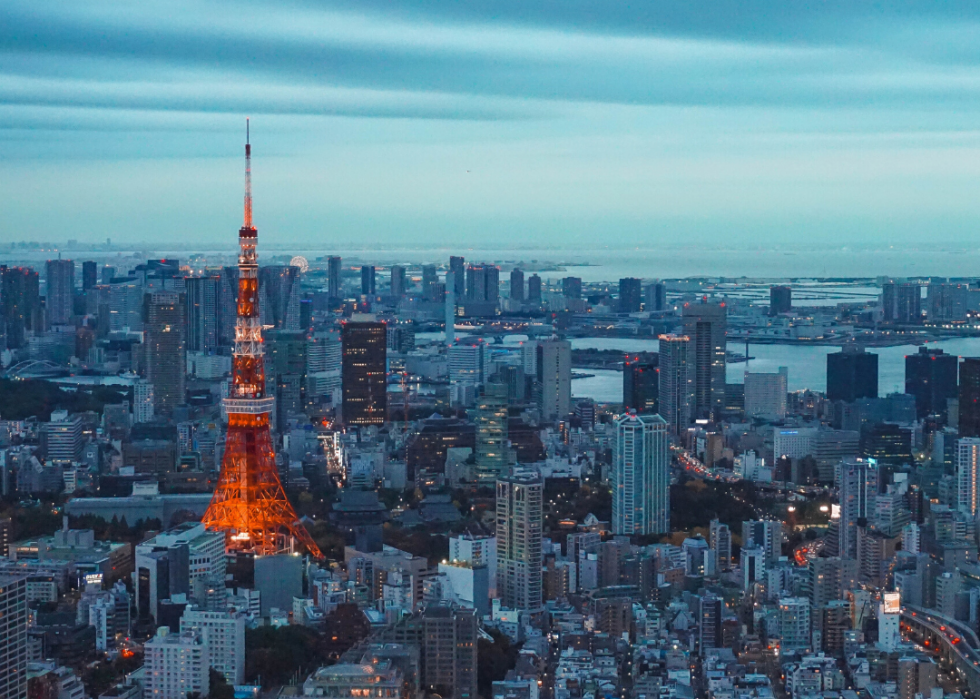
<point x="891" y="602"/>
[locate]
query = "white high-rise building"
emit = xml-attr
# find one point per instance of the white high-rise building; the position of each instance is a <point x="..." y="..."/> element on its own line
<point x="676" y="382"/>
<point x="467" y="362"/>
<point x="224" y="636"/>
<point x="142" y="401"/>
<point x="641" y="476"/>
<point x="967" y="475"/>
<point x="520" y="515"/>
<point x="324" y="364"/>
<point x="794" y="443"/>
<point x="476" y="550"/>
<point x="765" y="394"/>
<point x="175" y="665"/>
<point x="911" y="538"/>
<point x="64" y="435"/>
<point x="858" y="488"/>
<point x="13" y="636"/>
<point x="766" y="534"/>
<point x="889" y="615"/>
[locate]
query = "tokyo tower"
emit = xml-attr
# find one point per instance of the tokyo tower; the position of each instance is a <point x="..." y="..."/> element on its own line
<point x="249" y="503"/>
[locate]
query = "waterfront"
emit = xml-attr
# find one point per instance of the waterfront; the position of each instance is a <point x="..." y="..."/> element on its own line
<point x="807" y="364"/>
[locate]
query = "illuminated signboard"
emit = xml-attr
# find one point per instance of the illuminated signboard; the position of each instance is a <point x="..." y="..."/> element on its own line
<point x="891" y="602"/>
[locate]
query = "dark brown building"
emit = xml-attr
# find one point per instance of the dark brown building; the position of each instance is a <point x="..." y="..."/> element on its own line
<point x="365" y="380"/>
<point x="426" y="451"/>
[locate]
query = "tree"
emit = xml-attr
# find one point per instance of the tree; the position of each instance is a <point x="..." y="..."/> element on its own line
<point x="220" y="689"/>
<point x="495" y="660"/>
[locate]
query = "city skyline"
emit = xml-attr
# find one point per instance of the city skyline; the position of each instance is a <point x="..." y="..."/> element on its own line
<point x="446" y="125"/>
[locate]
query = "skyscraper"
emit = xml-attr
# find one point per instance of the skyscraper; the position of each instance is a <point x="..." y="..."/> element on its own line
<point x="491" y="432"/>
<point x="520" y="517"/>
<point x="517" y="284"/>
<point x="858" y="486"/>
<point x="675" y="381"/>
<point x="227" y="306"/>
<point x="720" y="542"/>
<point x="397" y="281"/>
<point x="780" y="300"/>
<point x="852" y="373"/>
<point x="534" y="289"/>
<point x="630" y="295"/>
<point x="571" y="287"/>
<point x="21" y="301"/>
<point x="901" y="302"/>
<point x="656" y="297"/>
<point x="969" y="404"/>
<point x="930" y="376"/>
<point x="335" y="280"/>
<point x="324" y="365"/>
<point x="554" y="378"/>
<point x="765" y="394"/>
<point x="457" y="272"/>
<point x="279" y="296"/>
<point x="90" y="274"/>
<point x="224" y="635"/>
<point x="482" y="284"/>
<point x="705" y="324"/>
<point x="430" y="277"/>
<point x="968" y="476"/>
<point x="202" y="295"/>
<point x="367" y="280"/>
<point x="13" y="637"/>
<point x="641" y="385"/>
<point x="165" y="328"/>
<point x="285" y="372"/>
<point x="766" y="534"/>
<point x="60" y="285"/>
<point x="641" y="476"/>
<point x="365" y="381"/>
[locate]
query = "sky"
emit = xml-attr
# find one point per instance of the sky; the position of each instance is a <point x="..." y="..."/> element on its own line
<point x="546" y="124"/>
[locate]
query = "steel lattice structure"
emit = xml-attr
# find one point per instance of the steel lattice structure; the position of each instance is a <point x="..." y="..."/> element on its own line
<point x="249" y="503"/>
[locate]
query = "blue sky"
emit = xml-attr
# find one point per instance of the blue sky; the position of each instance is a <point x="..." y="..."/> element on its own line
<point x="564" y="123"/>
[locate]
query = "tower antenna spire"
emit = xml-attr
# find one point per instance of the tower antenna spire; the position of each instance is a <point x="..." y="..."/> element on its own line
<point x="248" y="177"/>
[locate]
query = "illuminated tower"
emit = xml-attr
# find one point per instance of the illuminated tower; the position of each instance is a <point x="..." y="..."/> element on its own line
<point x="249" y="504"/>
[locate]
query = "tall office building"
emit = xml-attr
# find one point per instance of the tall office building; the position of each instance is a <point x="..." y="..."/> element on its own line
<point x="534" y="289"/>
<point x="780" y="300"/>
<point x="457" y="273"/>
<point x="720" y="543"/>
<point x="367" y="280"/>
<point x="335" y="279"/>
<point x="969" y="403"/>
<point x="202" y="295"/>
<point x="365" y="380"/>
<point x="279" y="296"/>
<point x="794" y="623"/>
<point x="21" y="302"/>
<point x="90" y="274"/>
<point x="467" y="362"/>
<point x="554" y="378"/>
<point x="227" y="306"/>
<point x="930" y="376"/>
<point x="641" y="476"/>
<point x="858" y="485"/>
<point x="901" y="302"/>
<point x="224" y="635"/>
<point x="517" y="284"/>
<point x="520" y="517"/>
<point x="285" y="373"/>
<point x="60" y="291"/>
<point x="968" y="476"/>
<point x="483" y="283"/>
<point x="324" y="365"/>
<point x="710" y="622"/>
<point x="491" y="433"/>
<point x="765" y="394"/>
<point x="64" y="436"/>
<point x="656" y="297"/>
<point x="430" y="278"/>
<point x="571" y="287"/>
<point x="852" y="373"/>
<point x="675" y="381"/>
<point x="765" y="534"/>
<point x="13" y="637"/>
<point x="641" y="385"/>
<point x="705" y="324"/>
<point x="166" y="349"/>
<point x="397" y="281"/>
<point x="630" y="295"/>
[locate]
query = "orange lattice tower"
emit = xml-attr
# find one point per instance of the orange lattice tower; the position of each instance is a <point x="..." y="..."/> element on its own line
<point x="249" y="504"/>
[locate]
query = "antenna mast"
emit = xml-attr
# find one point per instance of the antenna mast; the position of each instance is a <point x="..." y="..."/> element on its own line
<point x="248" y="178"/>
